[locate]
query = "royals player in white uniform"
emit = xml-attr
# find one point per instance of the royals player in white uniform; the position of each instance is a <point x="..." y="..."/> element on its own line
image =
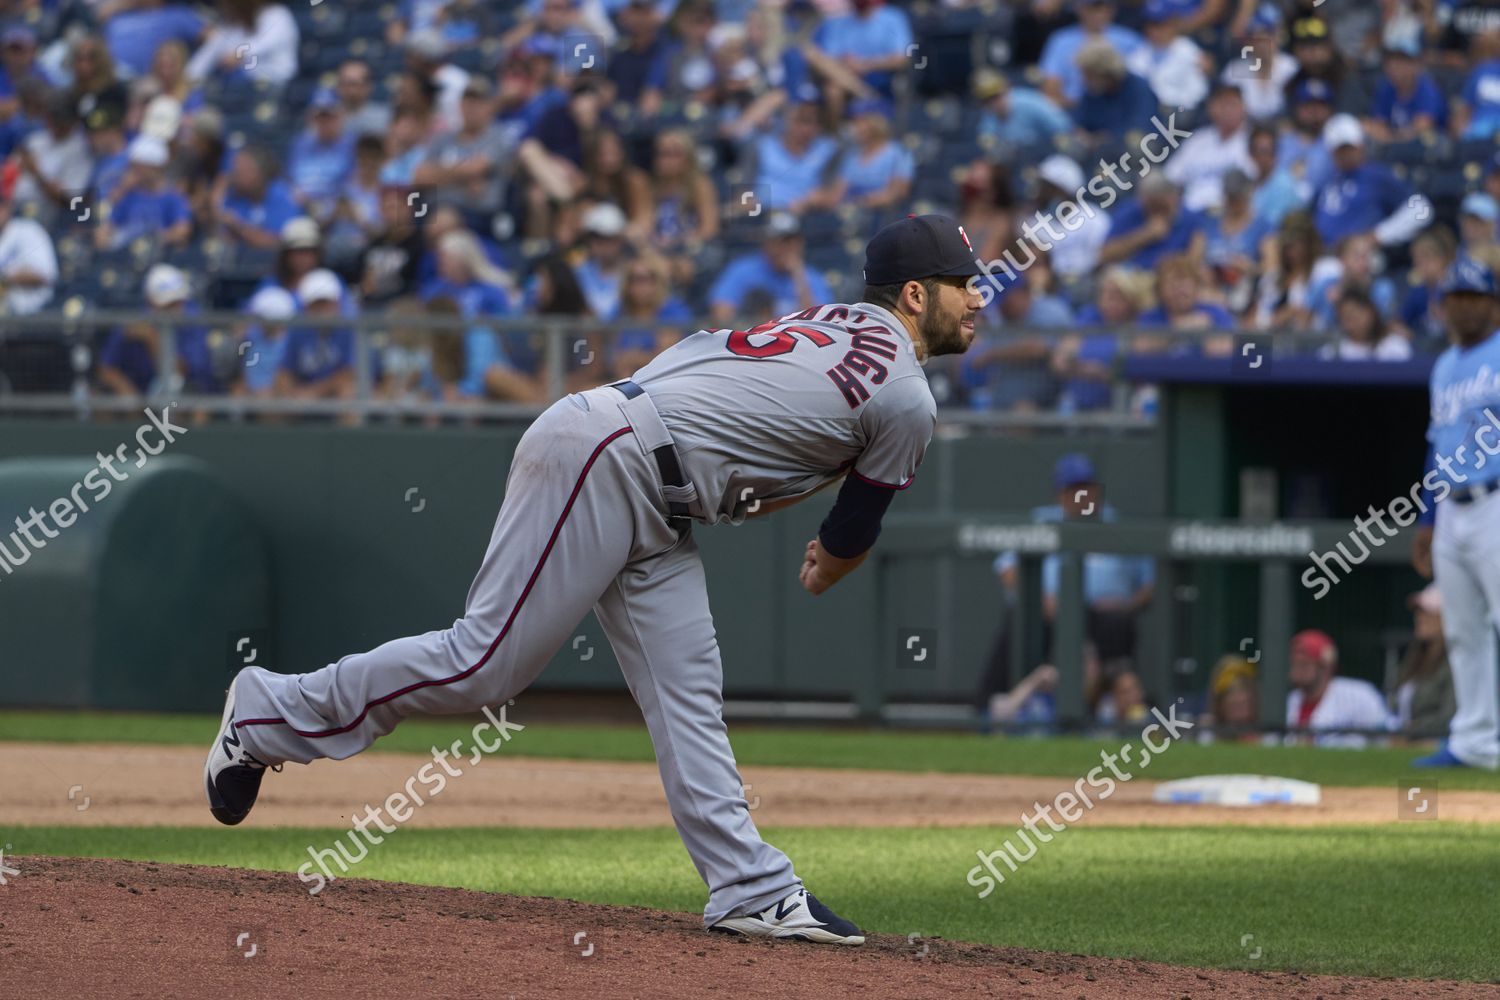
<point x="598" y="513"/>
<point x="1462" y="547"/>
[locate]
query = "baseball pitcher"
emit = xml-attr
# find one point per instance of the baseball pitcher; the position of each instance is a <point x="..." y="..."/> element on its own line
<point x="1462" y="546"/>
<point x="598" y="513"/>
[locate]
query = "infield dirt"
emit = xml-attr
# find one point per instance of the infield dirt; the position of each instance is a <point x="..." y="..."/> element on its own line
<point x="72" y="928"/>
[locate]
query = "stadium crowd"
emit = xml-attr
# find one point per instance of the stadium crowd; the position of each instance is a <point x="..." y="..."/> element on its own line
<point x="649" y="163"/>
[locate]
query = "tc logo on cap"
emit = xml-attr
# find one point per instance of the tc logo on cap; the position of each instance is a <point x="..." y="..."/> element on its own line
<point x="966" y="239"/>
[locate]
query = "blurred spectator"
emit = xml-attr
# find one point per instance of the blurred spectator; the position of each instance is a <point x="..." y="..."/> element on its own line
<point x="363" y="115"/>
<point x="166" y="76"/>
<point x="1199" y="164"/>
<point x="1235" y="241"/>
<point x="987" y="207"/>
<point x="1123" y="701"/>
<point x="106" y="131"/>
<point x="1184" y="307"/>
<point x="774" y="280"/>
<point x="1302" y="150"/>
<point x="1263" y="71"/>
<point x="1284" y="298"/>
<point x="1408" y="103"/>
<point x="357" y="216"/>
<point x="321" y="157"/>
<point x="1016" y="116"/>
<point x="1152" y="226"/>
<point x="28" y="262"/>
<point x="876" y="172"/>
<point x="272" y="309"/>
<point x="1116" y="588"/>
<point x="646" y="299"/>
<point x="1362" y="333"/>
<point x="318" y="362"/>
<point x="441" y="82"/>
<point x="689" y="70"/>
<point x="390" y="262"/>
<point x="1421" y="310"/>
<point x="601" y="271"/>
<point x="549" y="24"/>
<point x="1312" y="46"/>
<point x="94" y="80"/>
<point x="790" y="168"/>
<point x="1171" y="62"/>
<point x="1361" y="196"/>
<point x="129" y="361"/>
<point x="405" y="147"/>
<point x="1320" y="700"/>
<point x="1011" y="371"/>
<point x="1478" y="113"/>
<point x="253" y="204"/>
<point x="566" y="128"/>
<point x="873" y="41"/>
<point x="1276" y="192"/>
<point x="638" y="67"/>
<point x="466" y="168"/>
<point x="199" y="162"/>
<point x="254" y="39"/>
<point x="1423" y="701"/>
<point x="18" y="65"/>
<point x="54" y="162"/>
<point x="1085" y="362"/>
<point x="609" y="176"/>
<point x="1477" y="217"/>
<point x="1355" y="268"/>
<point x="466" y="276"/>
<point x="1114" y="100"/>
<point x="1233" y="699"/>
<point x="683" y="205"/>
<point x="525" y="92"/>
<point x="300" y="252"/>
<point x="143" y="204"/>
<point x="1061" y="74"/>
<point x="1030" y="702"/>
<point x="1062" y="199"/>
<point x="135" y="30"/>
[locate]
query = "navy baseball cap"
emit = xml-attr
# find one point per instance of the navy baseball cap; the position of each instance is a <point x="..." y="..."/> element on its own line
<point x="1466" y="274"/>
<point x="1073" y="469"/>
<point x="1313" y="90"/>
<point x="920" y="246"/>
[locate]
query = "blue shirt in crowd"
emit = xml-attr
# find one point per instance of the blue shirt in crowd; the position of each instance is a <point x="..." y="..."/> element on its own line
<point x="275" y="209"/>
<point x="1357" y="201"/>
<point x="1401" y="112"/>
<point x="1129" y="217"/>
<point x="870" y="176"/>
<point x="753" y="273"/>
<point x="1033" y="119"/>
<point x="783" y="178"/>
<point x="1127" y="107"/>
<point x="143" y="213"/>
<point x="133" y="36"/>
<point x="1061" y="52"/>
<point x="1105" y="576"/>
<point x="1482" y="95"/>
<point x="884" y="32"/>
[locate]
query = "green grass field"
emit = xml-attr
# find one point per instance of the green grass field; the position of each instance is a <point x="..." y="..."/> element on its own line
<point x="952" y="753"/>
<point x="1413" y="900"/>
<point x="1400" y="899"/>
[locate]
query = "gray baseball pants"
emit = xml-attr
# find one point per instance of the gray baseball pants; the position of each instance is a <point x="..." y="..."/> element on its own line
<point x="583" y="525"/>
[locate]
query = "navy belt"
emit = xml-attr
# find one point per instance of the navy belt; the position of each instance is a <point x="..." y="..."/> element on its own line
<point x="667" y="463"/>
<point x="1468" y="494"/>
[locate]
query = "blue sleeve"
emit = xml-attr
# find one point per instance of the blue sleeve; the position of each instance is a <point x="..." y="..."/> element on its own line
<point x="656" y="74"/>
<point x="1433" y="102"/>
<point x="904" y="166"/>
<point x="292" y="350"/>
<point x="1054" y="61"/>
<point x="178" y="209"/>
<point x="482" y="350"/>
<point x="900" y="27"/>
<point x="1393" y="191"/>
<point x="1385" y="100"/>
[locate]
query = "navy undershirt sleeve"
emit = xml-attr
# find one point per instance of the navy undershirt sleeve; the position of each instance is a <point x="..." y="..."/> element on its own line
<point x="853" y="524"/>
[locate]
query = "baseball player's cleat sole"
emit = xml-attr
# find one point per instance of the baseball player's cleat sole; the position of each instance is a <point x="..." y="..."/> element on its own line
<point x="798" y="917"/>
<point x="231" y="776"/>
<point x="1442" y="758"/>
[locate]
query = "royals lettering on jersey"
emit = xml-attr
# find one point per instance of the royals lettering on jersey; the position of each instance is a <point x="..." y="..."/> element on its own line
<point x="1465" y="413"/>
<point x="785" y="407"/>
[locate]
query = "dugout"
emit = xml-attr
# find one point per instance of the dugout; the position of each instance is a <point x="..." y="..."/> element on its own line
<point x="146" y="595"/>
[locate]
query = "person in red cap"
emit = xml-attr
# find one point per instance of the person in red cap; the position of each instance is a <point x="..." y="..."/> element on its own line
<point x="1322" y="701"/>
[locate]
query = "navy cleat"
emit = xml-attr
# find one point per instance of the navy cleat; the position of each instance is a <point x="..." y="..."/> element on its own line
<point x="799" y="917"/>
<point x="1443" y="757"/>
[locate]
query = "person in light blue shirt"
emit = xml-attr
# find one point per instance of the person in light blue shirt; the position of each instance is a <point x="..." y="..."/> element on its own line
<point x="321" y="158"/>
<point x="1301" y="151"/>
<point x="1480" y="110"/>
<point x="256" y="203"/>
<point x="1408" y="102"/>
<point x="1276" y="191"/>
<point x="790" y="168"/>
<point x="1017" y="116"/>
<point x="1362" y="196"/>
<point x="873" y="40"/>
<point x="773" y="281"/>
<point x="133" y="34"/>
<point x="1063" y="80"/>
<point x="877" y="172"/>
<point x="264" y="350"/>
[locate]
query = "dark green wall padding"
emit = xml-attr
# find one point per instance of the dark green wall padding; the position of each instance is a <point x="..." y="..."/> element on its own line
<point x="376" y="533"/>
<point x="138" y="602"/>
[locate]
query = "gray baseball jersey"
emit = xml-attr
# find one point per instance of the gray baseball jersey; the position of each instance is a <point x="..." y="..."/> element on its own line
<point x="767" y="413"/>
<point x="779" y="410"/>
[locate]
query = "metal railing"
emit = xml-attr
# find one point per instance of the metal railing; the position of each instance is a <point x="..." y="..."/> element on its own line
<point x="569" y="346"/>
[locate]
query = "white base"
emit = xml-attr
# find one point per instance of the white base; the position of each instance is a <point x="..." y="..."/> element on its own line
<point x="1238" y="790"/>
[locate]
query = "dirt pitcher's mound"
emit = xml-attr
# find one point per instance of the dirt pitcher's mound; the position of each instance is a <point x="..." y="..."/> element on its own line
<point x="73" y="928"/>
